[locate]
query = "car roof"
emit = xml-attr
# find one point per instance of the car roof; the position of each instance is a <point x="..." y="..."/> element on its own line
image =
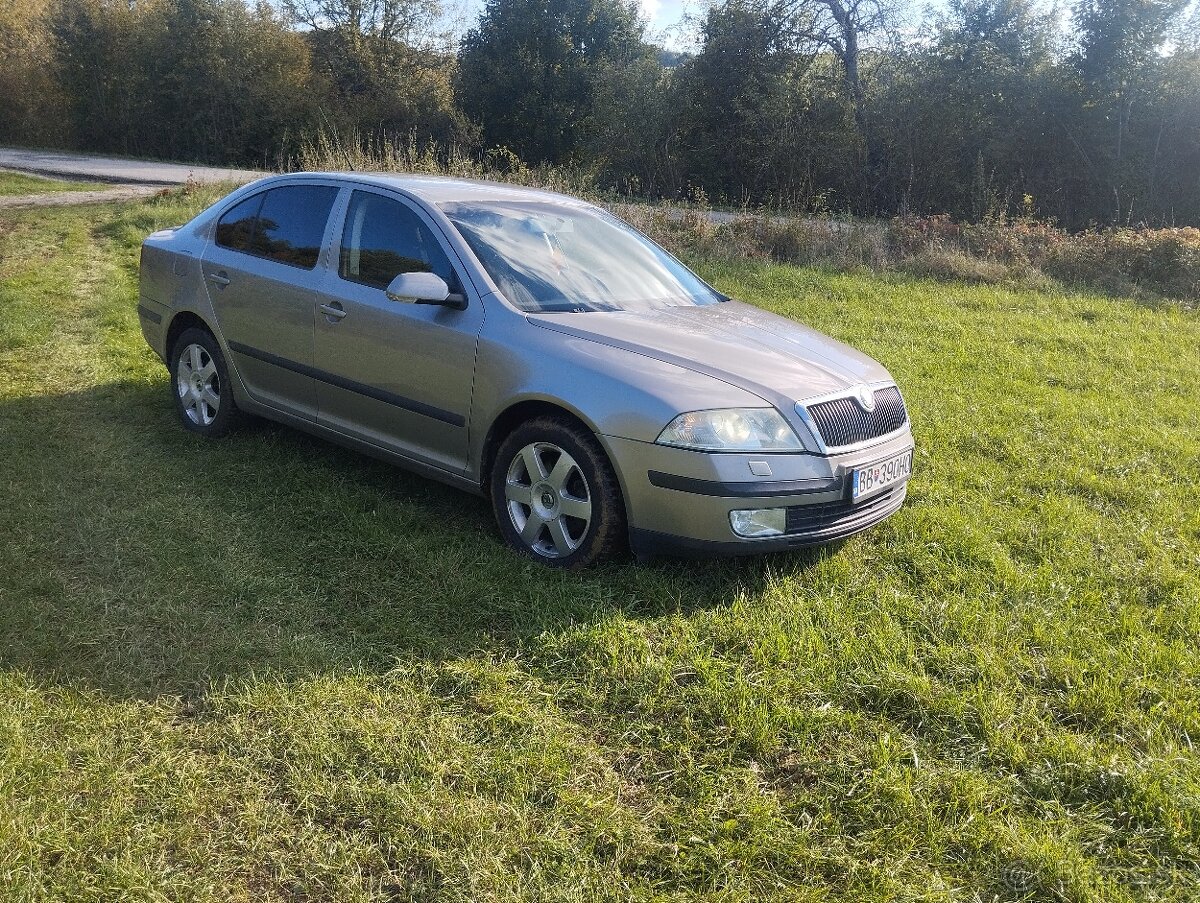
<point x="445" y="189"/>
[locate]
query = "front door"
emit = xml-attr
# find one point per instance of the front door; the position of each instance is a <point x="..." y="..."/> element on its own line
<point x="393" y="374"/>
<point x="262" y="274"/>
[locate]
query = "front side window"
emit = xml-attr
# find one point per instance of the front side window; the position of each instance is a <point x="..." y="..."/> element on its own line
<point x="383" y="238"/>
<point x="548" y="257"/>
<point x="283" y="224"/>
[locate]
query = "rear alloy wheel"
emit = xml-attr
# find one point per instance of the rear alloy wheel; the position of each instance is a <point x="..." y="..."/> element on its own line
<point x="555" y="495"/>
<point x="200" y="383"/>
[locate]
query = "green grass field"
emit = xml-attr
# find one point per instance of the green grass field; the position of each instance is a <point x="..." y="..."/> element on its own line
<point x="16" y="183"/>
<point x="271" y="669"/>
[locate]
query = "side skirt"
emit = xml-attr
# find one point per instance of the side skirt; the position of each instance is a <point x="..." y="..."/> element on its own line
<point x="320" y="430"/>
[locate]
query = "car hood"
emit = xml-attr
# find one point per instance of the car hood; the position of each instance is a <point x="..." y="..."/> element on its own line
<point x="776" y="358"/>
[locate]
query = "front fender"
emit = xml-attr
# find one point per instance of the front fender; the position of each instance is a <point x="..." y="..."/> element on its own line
<point x="614" y="391"/>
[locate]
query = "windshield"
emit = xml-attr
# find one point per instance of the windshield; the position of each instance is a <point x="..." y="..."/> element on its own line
<point x="546" y="257"/>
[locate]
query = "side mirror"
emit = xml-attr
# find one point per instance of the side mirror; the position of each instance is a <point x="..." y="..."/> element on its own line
<point x="424" y="288"/>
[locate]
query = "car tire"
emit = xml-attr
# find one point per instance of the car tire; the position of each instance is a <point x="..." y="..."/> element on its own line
<point x="555" y="495"/>
<point x="200" y="385"/>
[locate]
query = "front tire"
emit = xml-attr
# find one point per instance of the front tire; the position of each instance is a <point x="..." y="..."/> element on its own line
<point x="556" y="497"/>
<point x="200" y="385"/>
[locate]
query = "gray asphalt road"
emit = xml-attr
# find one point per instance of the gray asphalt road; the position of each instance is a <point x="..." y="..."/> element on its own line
<point x="115" y="169"/>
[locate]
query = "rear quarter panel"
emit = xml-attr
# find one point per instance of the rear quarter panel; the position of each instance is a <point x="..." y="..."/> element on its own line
<point x="169" y="283"/>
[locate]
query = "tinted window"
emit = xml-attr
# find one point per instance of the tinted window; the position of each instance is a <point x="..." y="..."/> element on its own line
<point x="383" y="239"/>
<point x="236" y="228"/>
<point x="291" y="224"/>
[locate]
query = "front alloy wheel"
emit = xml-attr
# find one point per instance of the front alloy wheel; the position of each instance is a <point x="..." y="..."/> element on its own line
<point x="555" y="495"/>
<point x="549" y="502"/>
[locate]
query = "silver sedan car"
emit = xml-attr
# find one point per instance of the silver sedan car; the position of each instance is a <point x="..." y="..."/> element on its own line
<point x="528" y="347"/>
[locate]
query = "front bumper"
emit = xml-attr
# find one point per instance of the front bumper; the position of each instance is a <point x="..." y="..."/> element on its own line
<point x="678" y="501"/>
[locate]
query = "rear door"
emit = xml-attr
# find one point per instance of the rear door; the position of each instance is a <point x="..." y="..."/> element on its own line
<point x="394" y="374"/>
<point x="261" y="270"/>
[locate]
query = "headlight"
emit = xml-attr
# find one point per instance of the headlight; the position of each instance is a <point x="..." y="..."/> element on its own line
<point x="732" y="429"/>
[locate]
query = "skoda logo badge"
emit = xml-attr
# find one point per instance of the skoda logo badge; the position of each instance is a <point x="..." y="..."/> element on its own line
<point x="866" y="399"/>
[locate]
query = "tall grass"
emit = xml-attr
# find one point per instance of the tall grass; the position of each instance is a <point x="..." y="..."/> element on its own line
<point x="1145" y="263"/>
<point x="1148" y="264"/>
<point x="354" y="151"/>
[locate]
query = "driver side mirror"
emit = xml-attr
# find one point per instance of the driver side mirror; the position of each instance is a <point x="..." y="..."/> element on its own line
<point x="424" y="288"/>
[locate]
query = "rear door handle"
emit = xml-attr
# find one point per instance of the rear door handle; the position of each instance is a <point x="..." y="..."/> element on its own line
<point x="333" y="310"/>
<point x="218" y="278"/>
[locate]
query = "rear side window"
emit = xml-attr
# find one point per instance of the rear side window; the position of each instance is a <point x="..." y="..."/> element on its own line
<point x="292" y="222"/>
<point x="383" y="238"/>
<point x="284" y="224"/>
<point x="236" y="228"/>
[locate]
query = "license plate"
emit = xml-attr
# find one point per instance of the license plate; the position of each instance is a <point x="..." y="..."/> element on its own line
<point x="875" y="477"/>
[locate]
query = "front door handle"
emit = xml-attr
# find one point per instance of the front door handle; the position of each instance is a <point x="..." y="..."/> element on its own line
<point x="333" y="310"/>
<point x="218" y="278"/>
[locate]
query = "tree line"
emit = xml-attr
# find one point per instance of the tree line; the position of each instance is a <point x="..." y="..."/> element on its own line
<point x="1086" y="114"/>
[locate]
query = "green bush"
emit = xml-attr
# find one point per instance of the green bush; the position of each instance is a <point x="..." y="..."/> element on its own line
<point x="1163" y="261"/>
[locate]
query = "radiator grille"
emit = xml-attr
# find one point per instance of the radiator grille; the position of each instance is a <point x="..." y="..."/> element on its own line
<point x="843" y="422"/>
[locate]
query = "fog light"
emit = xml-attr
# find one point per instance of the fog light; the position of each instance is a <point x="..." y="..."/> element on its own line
<point x="759" y="522"/>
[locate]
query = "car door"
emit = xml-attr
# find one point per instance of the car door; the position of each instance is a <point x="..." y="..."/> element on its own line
<point x="394" y="374"/>
<point x="261" y="272"/>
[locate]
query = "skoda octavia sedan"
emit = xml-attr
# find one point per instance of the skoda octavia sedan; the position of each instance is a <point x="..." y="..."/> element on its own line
<point x="528" y="347"/>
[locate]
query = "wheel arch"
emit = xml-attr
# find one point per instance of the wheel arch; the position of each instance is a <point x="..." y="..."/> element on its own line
<point x="524" y="410"/>
<point x="513" y="416"/>
<point x="183" y="320"/>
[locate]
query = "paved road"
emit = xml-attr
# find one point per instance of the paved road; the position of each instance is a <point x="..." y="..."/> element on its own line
<point x="115" y="169"/>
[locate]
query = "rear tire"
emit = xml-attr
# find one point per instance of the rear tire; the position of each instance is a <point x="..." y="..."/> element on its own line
<point x="200" y="385"/>
<point x="556" y="497"/>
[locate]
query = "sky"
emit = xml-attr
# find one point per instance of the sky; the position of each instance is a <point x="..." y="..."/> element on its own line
<point x="666" y="15"/>
<point x="667" y="21"/>
<point x="664" y="18"/>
